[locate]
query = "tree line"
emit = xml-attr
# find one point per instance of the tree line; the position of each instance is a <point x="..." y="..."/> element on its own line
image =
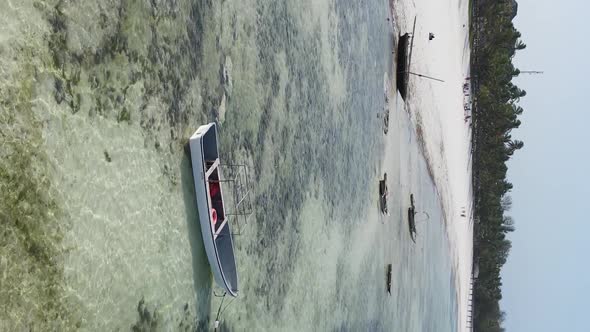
<point x="494" y="41"/>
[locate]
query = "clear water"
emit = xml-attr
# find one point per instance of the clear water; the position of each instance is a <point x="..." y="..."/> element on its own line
<point x="99" y="221"/>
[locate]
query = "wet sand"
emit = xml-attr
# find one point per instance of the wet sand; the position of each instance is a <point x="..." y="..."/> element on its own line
<point x="437" y="112"/>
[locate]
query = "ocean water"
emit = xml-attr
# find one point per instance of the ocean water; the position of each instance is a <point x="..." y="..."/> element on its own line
<point x="99" y="228"/>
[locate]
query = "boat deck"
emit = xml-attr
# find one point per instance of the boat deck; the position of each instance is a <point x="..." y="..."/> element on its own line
<point x="216" y="202"/>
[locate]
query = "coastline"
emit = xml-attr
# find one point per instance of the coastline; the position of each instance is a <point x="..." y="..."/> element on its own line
<point x="436" y="110"/>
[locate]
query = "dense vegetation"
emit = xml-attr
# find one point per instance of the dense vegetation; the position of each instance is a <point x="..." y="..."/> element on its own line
<point x="495" y="115"/>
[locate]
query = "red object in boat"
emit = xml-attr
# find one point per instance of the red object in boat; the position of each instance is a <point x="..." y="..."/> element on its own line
<point x="213" y="189"/>
<point x="214" y="216"/>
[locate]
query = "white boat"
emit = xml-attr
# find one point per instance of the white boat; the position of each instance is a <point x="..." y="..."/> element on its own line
<point x="215" y="225"/>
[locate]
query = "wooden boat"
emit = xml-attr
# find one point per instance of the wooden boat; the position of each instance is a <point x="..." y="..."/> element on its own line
<point x="402" y="77"/>
<point x="404" y="59"/>
<point x="388" y="277"/>
<point x="215" y="224"/>
<point x="411" y="219"/>
<point x="383" y="192"/>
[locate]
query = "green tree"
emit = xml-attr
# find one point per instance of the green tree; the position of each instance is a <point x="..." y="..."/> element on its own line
<point x="520" y="45"/>
<point x="495" y="115"/>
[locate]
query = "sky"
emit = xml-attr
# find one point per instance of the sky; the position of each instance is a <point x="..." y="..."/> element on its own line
<point x="546" y="280"/>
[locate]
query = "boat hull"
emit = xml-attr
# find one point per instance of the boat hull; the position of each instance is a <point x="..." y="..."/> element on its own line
<point x="219" y="248"/>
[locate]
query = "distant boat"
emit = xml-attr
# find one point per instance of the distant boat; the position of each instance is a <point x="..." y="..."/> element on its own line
<point x="383" y="193"/>
<point x="388" y="277"/>
<point x="411" y="220"/>
<point x="403" y="54"/>
<point x="215" y="226"/>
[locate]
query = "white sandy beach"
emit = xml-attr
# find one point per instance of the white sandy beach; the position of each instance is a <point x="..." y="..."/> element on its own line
<point x="437" y="107"/>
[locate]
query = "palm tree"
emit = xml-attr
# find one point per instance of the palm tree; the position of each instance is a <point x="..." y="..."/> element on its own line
<point x="519" y="45"/>
<point x="508" y="224"/>
<point x="512" y="146"/>
<point x="506" y="205"/>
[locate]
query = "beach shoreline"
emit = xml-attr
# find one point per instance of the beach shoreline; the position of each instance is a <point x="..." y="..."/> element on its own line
<point x="436" y="111"/>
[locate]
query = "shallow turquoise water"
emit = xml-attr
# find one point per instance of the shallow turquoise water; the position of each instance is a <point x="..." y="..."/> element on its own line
<point x="98" y="99"/>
